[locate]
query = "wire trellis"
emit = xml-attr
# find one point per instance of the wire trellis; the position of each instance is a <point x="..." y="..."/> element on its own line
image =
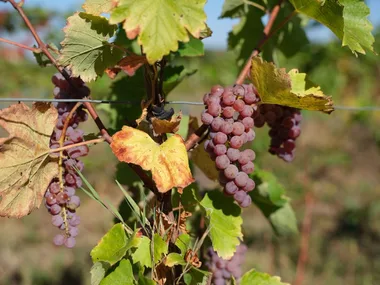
<point x="9" y="100"/>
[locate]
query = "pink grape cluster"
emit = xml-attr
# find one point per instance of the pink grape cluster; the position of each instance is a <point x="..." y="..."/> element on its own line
<point x="284" y="123"/>
<point x="229" y="114"/>
<point x="222" y="270"/>
<point x="63" y="203"/>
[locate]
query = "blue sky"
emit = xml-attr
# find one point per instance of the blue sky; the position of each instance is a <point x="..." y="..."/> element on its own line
<point x="220" y="27"/>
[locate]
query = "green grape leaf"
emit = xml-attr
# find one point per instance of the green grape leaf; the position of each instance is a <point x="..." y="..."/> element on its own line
<point x="160" y="247"/>
<point x="144" y="280"/>
<point x="97" y="7"/>
<point x="194" y="47"/>
<point x="174" y="259"/>
<point x="246" y="34"/>
<point x="292" y="89"/>
<point x="347" y="19"/>
<point x="174" y="75"/>
<point x="113" y="245"/>
<point x="269" y="197"/>
<point x="233" y="8"/>
<point x="98" y="271"/>
<point x="197" y="277"/>
<point x="224" y="221"/>
<point x="260" y="278"/>
<point x="85" y="48"/>
<point x="160" y="24"/>
<point x="142" y="253"/>
<point x="122" y="275"/>
<point x="183" y="242"/>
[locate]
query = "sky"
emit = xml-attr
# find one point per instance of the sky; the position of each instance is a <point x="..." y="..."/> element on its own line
<point x="220" y="27"/>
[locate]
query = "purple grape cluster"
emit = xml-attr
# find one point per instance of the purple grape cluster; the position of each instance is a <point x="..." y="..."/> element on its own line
<point x="284" y="123"/>
<point x="62" y="202"/>
<point x="222" y="270"/>
<point x="229" y="114"/>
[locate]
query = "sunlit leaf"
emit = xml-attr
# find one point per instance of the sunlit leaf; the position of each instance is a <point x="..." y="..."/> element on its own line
<point x="98" y="271"/>
<point x="225" y="222"/>
<point x="292" y="89"/>
<point x="122" y="275"/>
<point x="97" y="7"/>
<point x="174" y="259"/>
<point x="168" y="162"/>
<point x="347" y="19"/>
<point x="113" y="245"/>
<point x="160" y="247"/>
<point x="142" y="253"/>
<point x="160" y="24"/>
<point x="260" y="278"/>
<point x="85" y="48"/>
<point x="26" y="169"/>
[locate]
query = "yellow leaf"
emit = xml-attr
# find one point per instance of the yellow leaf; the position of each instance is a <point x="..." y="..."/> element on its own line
<point x="165" y="126"/>
<point x="26" y="168"/>
<point x="292" y="89"/>
<point x="168" y="162"/>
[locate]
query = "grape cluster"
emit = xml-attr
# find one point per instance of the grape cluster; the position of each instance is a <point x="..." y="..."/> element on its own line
<point x="60" y="200"/>
<point x="229" y="114"/>
<point x="222" y="270"/>
<point x="284" y="124"/>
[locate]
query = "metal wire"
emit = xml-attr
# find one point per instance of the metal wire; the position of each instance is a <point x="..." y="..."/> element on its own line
<point x="336" y="107"/>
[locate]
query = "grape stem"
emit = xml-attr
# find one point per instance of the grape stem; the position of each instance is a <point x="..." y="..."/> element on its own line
<point x="267" y="35"/>
<point x="36" y="50"/>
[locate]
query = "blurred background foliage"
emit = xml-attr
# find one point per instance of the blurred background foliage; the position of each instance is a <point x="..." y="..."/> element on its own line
<point x="337" y="166"/>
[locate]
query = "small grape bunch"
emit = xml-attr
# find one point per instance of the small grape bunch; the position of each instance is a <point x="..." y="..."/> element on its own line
<point x="60" y="200"/>
<point x="284" y="123"/>
<point x="229" y="114"/>
<point x="222" y="270"/>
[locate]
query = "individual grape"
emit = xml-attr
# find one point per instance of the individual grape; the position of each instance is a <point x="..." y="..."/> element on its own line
<point x="249" y="186"/>
<point x="55" y="209"/>
<point x="214" y="109"/>
<point x="220" y="138"/>
<point x="219" y="281"/>
<point x="250" y="154"/>
<point x="75" y="220"/>
<point x="230" y="188"/>
<point x="241" y="179"/>
<point x="250" y="98"/>
<point x="228" y="112"/>
<point x="226" y="128"/>
<point x="70" y="242"/>
<point x="237" y="128"/>
<point x="231" y="171"/>
<point x="228" y="98"/>
<point x="294" y="133"/>
<point x="250" y="135"/>
<point x="236" y="142"/>
<point x="259" y="121"/>
<point x="70" y="179"/>
<point x="57" y="220"/>
<point x="247" y="111"/>
<point x="222" y="161"/>
<point x="217" y="123"/>
<point x="62" y="198"/>
<point x="249" y="167"/>
<point x="217" y="89"/>
<point x="54" y="188"/>
<point x="238" y="90"/>
<point x="248" y="123"/>
<point x="239" y="105"/>
<point x="51" y="200"/>
<point x="73" y="202"/>
<point x="59" y="239"/>
<point x="289" y="145"/>
<point x="244" y="158"/>
<point x="220" y="149"/>
<point x="206" y="118"/>
<point x="233" y="154"/>
<point x="78" y="151"/>
<point x="222" y="178"/>
<point x="239" y="196"/>
<point x="73" y="231"/>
